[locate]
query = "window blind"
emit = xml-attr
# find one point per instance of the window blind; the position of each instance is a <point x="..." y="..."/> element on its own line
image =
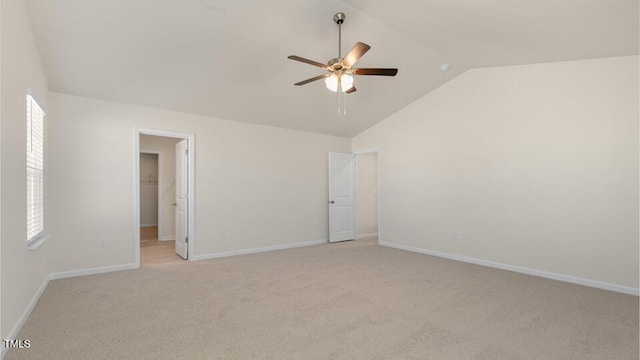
<point x="35" y="169"/>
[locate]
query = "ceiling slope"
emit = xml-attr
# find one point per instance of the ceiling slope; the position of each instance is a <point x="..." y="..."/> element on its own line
<point x="228" y="59"/>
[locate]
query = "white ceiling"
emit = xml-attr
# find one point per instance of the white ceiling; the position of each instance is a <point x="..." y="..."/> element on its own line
<point x="228" y="58"/>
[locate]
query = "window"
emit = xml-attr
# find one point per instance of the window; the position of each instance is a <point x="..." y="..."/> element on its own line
<point x="35" y="169"/>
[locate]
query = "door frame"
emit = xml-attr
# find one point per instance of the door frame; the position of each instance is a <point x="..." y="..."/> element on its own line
<point x="358" y="154"/>
<point x="190" y="186"/>
<point x="160" y="184"/>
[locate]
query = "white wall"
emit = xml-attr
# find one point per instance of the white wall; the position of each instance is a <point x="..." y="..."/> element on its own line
<point x="148" y="189"/>
<point x="165" y="146"/>
<point x="536" y="165"/>
<point x="367" y="194"/>
<point x="1" y="32"/>
<point x="23" y="272"/>
<point x="256" y="186"/>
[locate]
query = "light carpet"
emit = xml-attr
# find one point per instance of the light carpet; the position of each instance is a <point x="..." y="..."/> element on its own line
<point x="353" y="300"/>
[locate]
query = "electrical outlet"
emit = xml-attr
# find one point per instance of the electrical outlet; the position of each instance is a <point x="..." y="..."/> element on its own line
<point x="102" y="243"/>
<point x="459" y="235"/>
<point x="225" y="234"/>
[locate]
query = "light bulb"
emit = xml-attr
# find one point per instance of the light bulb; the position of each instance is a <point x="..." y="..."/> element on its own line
<point x="332" y="82"/>
<point x="346" y="82"/>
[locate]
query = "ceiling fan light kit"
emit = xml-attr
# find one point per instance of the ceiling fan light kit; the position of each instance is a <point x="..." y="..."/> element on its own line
<point x="344" y="82"/>
<point x="339" y="76"/>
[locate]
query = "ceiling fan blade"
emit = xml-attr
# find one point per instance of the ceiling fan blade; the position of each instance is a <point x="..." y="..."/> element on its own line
<point x="307" y="61"/>
<point x="355" y="53"/>
<point x="375" y="71"/>
<point x="303" y="82"/>
<point x="353" y="89"/>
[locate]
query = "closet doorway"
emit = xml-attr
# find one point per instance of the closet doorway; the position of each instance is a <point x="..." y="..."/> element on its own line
<point x="159" y="220"/>
<point x="149" y="196"/>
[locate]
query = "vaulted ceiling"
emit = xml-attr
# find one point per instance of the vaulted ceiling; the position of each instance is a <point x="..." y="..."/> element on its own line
<point x="228" y="58"/>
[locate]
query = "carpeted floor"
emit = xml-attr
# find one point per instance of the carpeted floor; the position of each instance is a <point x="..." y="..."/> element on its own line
<point x="352" y="300"/>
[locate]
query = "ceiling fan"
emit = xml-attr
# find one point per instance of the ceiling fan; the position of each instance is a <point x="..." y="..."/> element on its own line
<point x="340" y="71"/>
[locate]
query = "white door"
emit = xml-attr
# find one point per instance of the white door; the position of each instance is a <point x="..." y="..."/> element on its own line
<point x="182" y="182"/>
<point x="342" y="197"/>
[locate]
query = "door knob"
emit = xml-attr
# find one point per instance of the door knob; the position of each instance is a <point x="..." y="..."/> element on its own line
<point x="331" y="202"/>
<point x="174" y="204"/>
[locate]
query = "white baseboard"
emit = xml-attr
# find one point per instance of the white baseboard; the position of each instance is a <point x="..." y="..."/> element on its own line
<point x="13" y="334"/>
<point x="166" y="238"/>
<point x="148" y="225"/>
<point x="366" y="236"/>
<point x="53" y="276"/>
<point x="257" y="250"/>
<point x="91" y="271"/>
<point x="519" y="269"/>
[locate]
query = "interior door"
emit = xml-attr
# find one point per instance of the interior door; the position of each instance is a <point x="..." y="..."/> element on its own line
<point x="342" y="197"/>
<point x="182" y="214"/>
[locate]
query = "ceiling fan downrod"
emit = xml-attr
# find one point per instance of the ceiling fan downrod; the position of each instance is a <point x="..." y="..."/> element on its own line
<point x="338" y="18"/>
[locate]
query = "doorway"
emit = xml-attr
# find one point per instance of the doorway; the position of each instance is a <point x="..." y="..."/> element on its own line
<point x="354" y="185"/>
<point x="157" y="194"/>
<point x="367" y="195"/>
<point x="163" y="159"/>
<point x="149" y="196"/>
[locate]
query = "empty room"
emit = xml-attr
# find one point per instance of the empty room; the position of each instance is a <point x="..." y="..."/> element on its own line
<point x="339" y="179"/>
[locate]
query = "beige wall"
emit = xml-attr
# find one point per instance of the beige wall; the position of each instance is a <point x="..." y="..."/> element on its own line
<point x="255" y="186"/>
<point x="536" y="165"/>
<point x="23" y="271"/>
<point x="149" y="189"/>
<point x="367" y="194"/>
<point x="165" y="146"/>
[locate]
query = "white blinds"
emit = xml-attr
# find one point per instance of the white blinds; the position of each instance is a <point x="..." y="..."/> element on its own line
<point x="35" y="169"/>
